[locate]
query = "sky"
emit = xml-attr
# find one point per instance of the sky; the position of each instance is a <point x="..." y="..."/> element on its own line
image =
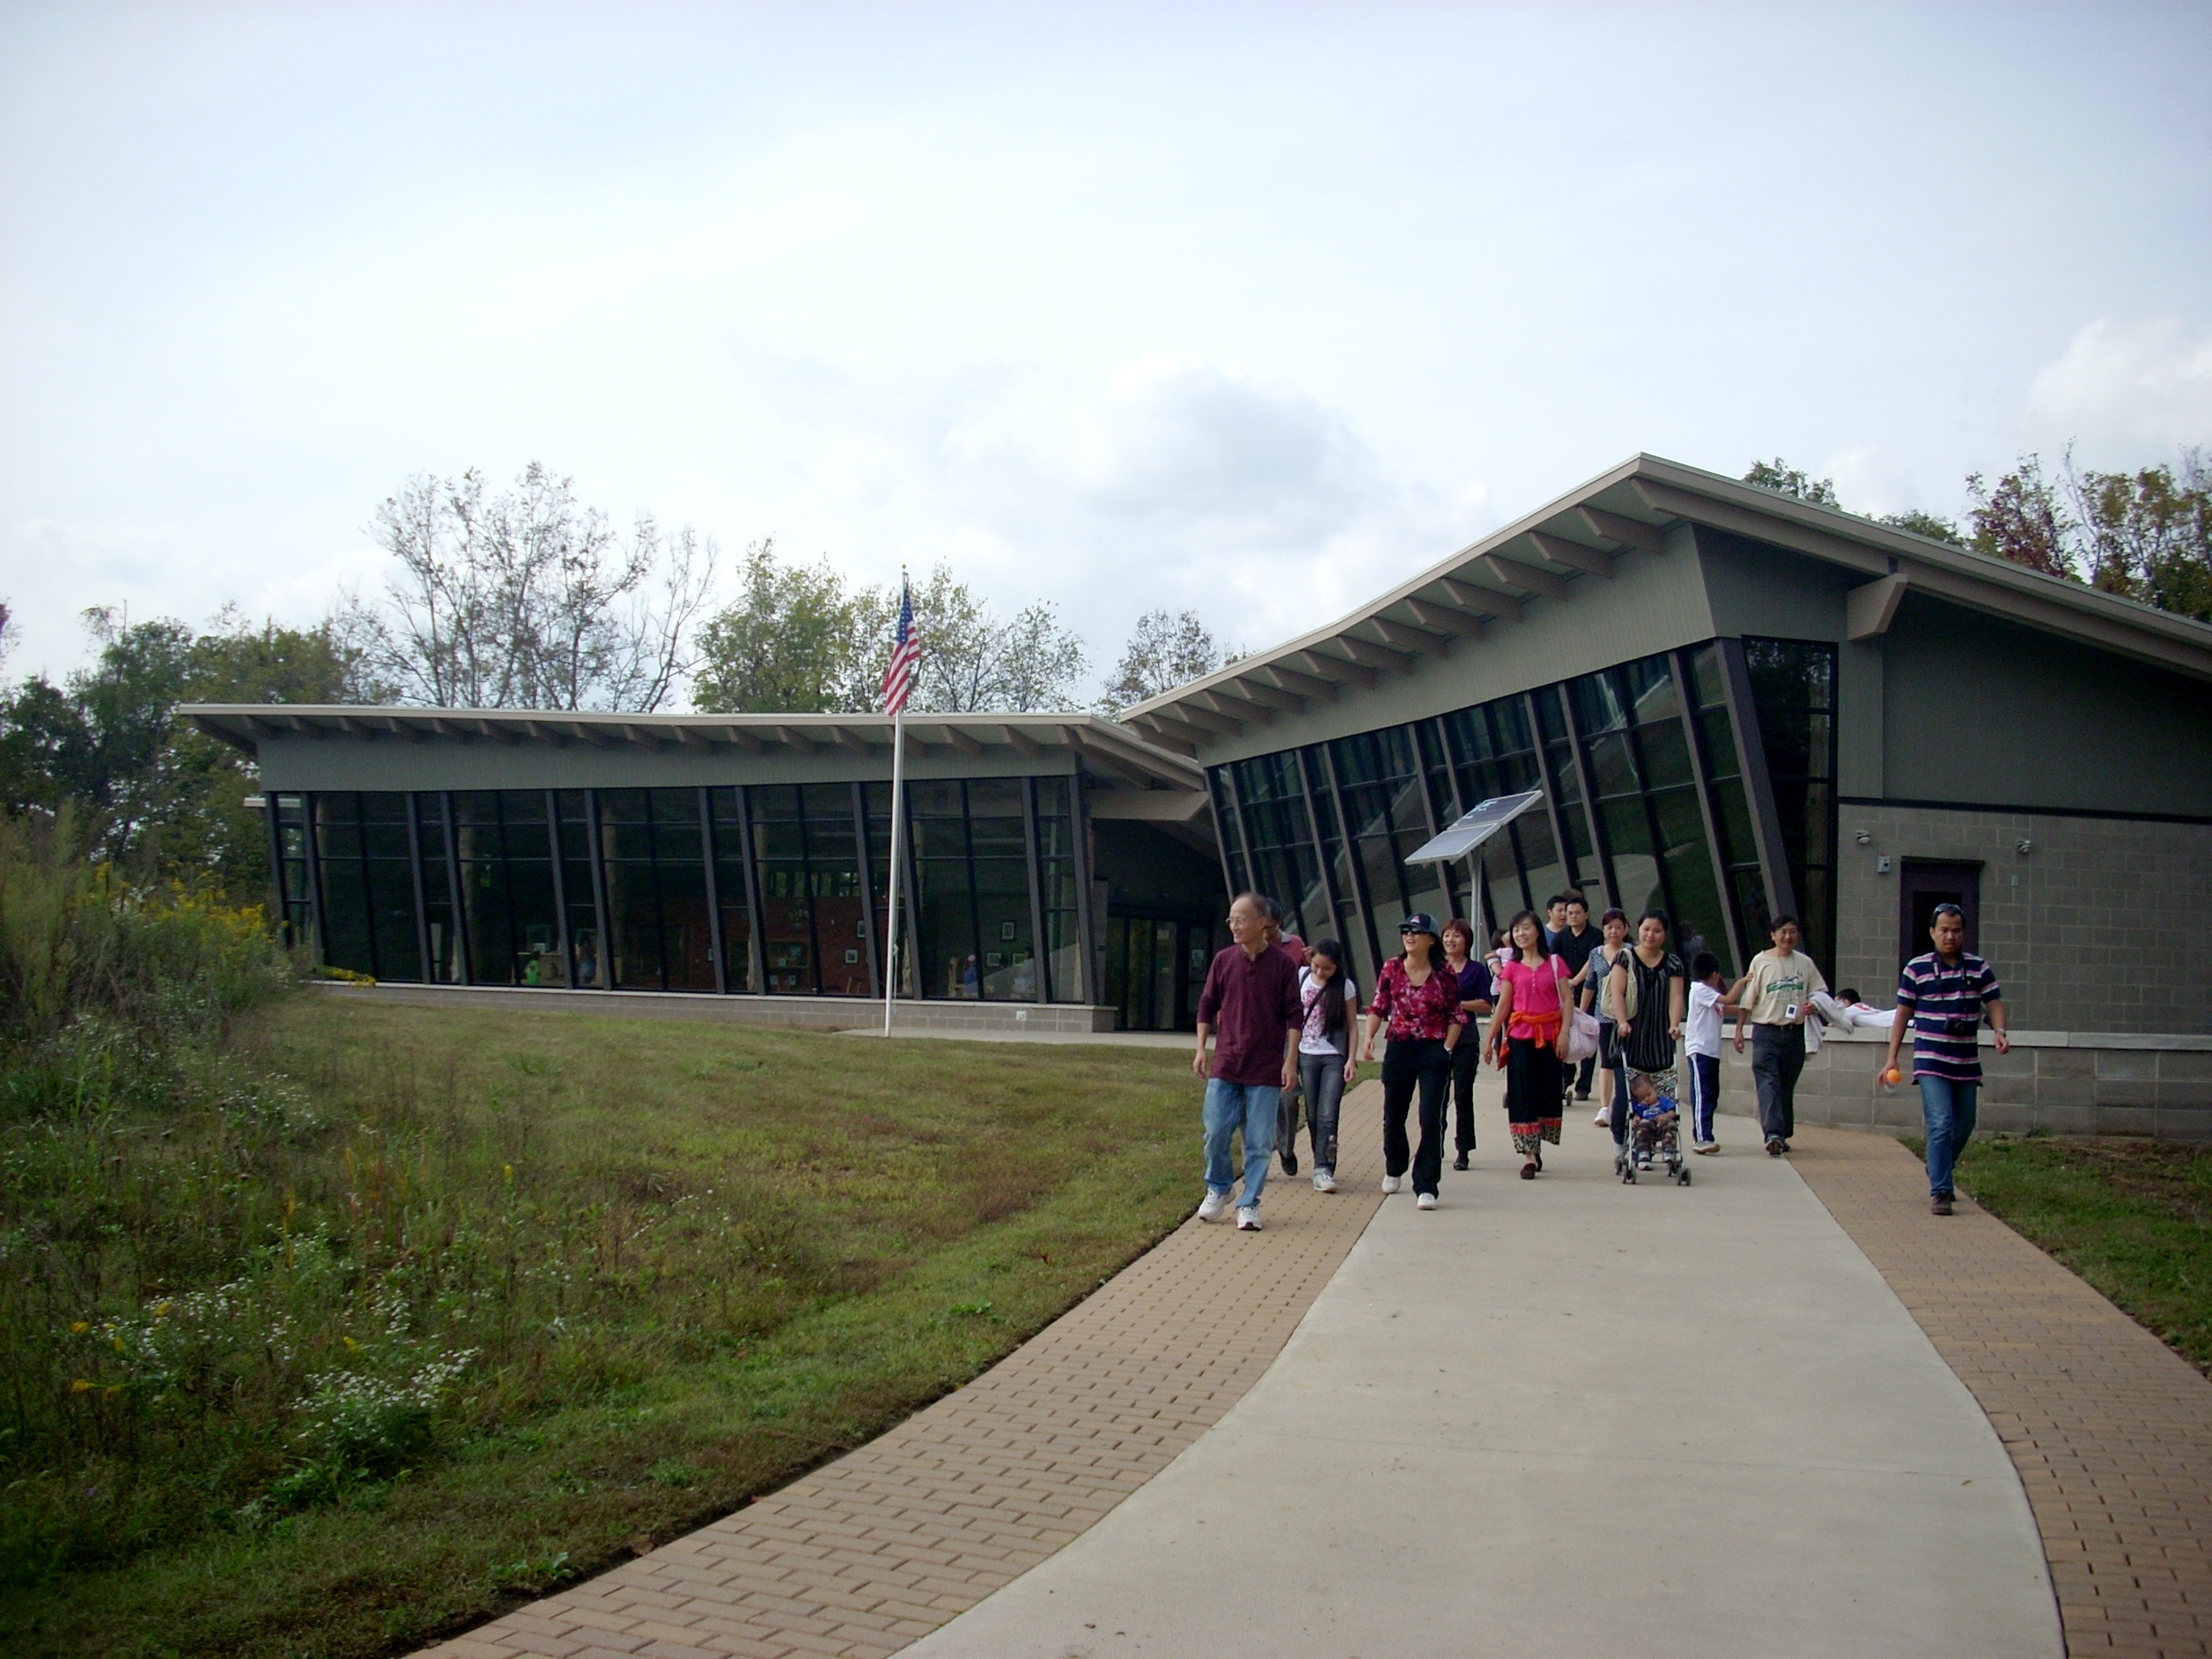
<point x="1253" y="310"/>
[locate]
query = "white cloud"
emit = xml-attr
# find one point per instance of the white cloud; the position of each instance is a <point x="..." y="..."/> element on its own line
<point x="2128" y="384"/>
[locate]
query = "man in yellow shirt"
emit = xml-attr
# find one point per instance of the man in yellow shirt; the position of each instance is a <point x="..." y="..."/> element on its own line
<point x="1774" y="998"/>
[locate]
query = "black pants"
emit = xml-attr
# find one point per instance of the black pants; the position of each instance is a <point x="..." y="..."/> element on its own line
<point x="1466" y="1062"/>
<point x="1428" y="1063"/>
<point x="1583" y="1078"/>
<point x="1777" y="1055"/>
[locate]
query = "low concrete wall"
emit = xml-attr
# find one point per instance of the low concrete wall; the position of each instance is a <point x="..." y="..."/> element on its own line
<point x="815" y="1013"/>
<point x="2071" y="1083"/>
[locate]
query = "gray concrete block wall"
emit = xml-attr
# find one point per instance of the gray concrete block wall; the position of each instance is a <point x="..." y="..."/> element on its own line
<point x="2065" y="1083"/>
<point x="2092" y="930"/>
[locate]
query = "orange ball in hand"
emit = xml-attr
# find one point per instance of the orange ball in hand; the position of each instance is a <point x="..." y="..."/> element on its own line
<point x="1892" y="1075"/>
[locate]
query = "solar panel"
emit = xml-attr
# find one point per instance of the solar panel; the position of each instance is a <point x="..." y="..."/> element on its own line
<point x="1475" y="827"/>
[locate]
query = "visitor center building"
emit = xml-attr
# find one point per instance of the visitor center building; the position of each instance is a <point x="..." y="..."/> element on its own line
<point x="1731" y="704"/>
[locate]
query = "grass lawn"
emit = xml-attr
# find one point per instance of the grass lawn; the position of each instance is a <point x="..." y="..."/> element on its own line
<point x="423" y="1311"/>
<point x="2132" y="1216"/>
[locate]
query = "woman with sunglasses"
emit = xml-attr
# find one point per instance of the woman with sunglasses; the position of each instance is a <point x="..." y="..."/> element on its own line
<point x="1419" y="997"/>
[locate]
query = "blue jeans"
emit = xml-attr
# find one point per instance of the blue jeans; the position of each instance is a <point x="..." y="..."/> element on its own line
<point x="1949" y="1109"/>
<point x="1250" y="1107"/>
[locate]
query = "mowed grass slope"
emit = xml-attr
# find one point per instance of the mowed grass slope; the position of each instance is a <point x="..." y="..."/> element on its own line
<point x="2133" y="1217"/>
<point x="422" y="1311"/>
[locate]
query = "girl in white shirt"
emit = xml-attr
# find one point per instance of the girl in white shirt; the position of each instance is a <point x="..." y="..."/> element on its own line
<point x="1325" y="1062"/>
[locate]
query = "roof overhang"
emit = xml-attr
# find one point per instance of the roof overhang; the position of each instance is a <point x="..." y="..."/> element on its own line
<point x="1109" y="754"/>
<point x="1584" y="537"/>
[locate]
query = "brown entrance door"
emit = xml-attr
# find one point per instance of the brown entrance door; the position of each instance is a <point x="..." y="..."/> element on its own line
<point x="1926" y="884"/>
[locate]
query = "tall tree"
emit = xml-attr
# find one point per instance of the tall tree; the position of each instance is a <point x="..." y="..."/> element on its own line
<point x="2147" y="534"/>
<point x="2023" y="516"/>
<point x="1163" y="651"/>
<point x="160" y="796"/>
<point x="1933" y="525"/>
<point x="1784" y="479"/>
<point x="528" y="599"/>
<point x="973" y="660"/>
<point x="795" y="640"/>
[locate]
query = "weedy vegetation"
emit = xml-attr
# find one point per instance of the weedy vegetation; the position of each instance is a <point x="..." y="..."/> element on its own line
<point x="328" y="1326"/>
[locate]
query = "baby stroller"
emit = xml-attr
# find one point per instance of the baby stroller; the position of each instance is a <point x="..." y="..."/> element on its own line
<point x="1651" y="1145"/>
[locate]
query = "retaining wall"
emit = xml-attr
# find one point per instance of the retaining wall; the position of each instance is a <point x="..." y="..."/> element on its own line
<point x="2070" y="1083"/>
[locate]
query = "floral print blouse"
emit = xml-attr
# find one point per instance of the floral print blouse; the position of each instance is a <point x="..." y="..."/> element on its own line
<point x="1416" y="1011"/>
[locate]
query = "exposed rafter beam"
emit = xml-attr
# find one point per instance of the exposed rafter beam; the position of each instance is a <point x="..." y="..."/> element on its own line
<point x="1576" y="556"/>
<point x="795" y="738"/>
<point x="961" y="741"/>
<point x="638" y="734"/>
<point x="1022" y="742"/>
<point x="743" y="739"/>
<point x="1336" y="668"/>
<point x="1374" y="656"/>
<point x="1269" y="696"/>
<point x="1104" y="760"/>
<point x="591" y="733"/>
<point x="1237" y="708"/>
<point x="1524" y="575"/>
<point x="1169" y="731"/>
<point x="1410" y="639"/>
<point x="1208" y="719"/>
<point x="1443" y="619"/>
<point x="692" y="737"/>
<point x="1481" y="600"/>
<point x="1305" y="686"/>
<point x="1629" y="533"/>
<point x="851" y="740"/>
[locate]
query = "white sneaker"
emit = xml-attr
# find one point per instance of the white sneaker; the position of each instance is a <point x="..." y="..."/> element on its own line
<point x="1324" y="1181"/>
<point x="1248" y="1219"/>
<point x="1392" y="1184"/>
<point x="1604" y="1118"/>
<point x="1426" y="1201"/>
<point x="1215" y="1206"/>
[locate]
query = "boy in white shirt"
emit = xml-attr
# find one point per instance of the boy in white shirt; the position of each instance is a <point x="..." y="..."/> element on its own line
<point x="1701" y="1040"/>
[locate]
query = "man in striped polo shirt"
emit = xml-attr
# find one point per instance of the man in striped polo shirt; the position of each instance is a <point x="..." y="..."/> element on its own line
<point x="1945" y="994"/>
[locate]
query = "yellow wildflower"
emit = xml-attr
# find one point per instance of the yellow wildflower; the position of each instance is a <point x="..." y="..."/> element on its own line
<point x="79" y="1328"/>
<point x="83" y="1385"/>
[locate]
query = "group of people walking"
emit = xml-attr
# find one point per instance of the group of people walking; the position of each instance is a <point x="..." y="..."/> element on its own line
<point x="1285" y="1017"/>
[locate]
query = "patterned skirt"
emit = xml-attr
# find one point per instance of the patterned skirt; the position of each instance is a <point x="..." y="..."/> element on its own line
<point x="1535" y="1091"/>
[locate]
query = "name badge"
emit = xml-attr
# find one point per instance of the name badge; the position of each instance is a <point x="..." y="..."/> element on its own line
<point x="1790" y="1010"/>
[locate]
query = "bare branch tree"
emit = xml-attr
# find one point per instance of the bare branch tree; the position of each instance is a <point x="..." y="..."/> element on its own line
<point x="527" y="599"/>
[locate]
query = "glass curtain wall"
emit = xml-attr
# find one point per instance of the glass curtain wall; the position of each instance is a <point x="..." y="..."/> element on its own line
<point x="610" y="889"/>
<point x="1793" y="688"/>
<point x="1645" y="805"/>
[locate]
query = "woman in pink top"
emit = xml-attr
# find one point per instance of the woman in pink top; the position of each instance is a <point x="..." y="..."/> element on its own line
<point x="1524" y="1035"/>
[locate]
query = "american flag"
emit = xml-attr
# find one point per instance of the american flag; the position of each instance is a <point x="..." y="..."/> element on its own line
<point x="906" y="655"/>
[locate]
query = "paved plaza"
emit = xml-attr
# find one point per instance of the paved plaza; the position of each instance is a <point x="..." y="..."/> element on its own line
<point x="1780" y="1411"/>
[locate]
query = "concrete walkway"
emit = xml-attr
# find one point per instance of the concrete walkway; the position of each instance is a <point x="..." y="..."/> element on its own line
<point x="1568" y="1418"/>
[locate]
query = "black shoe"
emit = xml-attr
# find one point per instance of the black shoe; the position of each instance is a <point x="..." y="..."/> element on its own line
<point x="1582" y="1094"/>
<point x="1940" y="1205"/>
<point x="1774" y="1146"/>
<point x="1460" y="1163"/>
<point x="1289" y="1162"/>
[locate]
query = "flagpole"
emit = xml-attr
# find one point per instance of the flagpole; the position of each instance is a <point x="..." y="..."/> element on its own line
<point x="898" y="819"/>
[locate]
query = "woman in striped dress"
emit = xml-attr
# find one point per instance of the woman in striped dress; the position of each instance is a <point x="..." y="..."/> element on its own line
<point x="1648" y="995"/>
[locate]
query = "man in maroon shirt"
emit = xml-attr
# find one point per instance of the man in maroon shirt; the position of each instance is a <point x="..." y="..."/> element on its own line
<point x="1251" y="1001"/>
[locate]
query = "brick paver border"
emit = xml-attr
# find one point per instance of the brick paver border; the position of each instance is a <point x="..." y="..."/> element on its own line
<point x="882" y="1546"/>
<point x="2112" y="1431"/>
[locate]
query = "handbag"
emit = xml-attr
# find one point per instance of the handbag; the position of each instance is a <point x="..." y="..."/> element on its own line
<point x="1578" y="1039"/>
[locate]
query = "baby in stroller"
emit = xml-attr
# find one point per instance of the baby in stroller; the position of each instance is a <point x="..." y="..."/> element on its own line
<point x="1655" y="1133"/>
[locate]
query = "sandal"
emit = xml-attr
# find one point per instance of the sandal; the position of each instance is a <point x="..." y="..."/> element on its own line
<point x="1527" y="1171"/>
